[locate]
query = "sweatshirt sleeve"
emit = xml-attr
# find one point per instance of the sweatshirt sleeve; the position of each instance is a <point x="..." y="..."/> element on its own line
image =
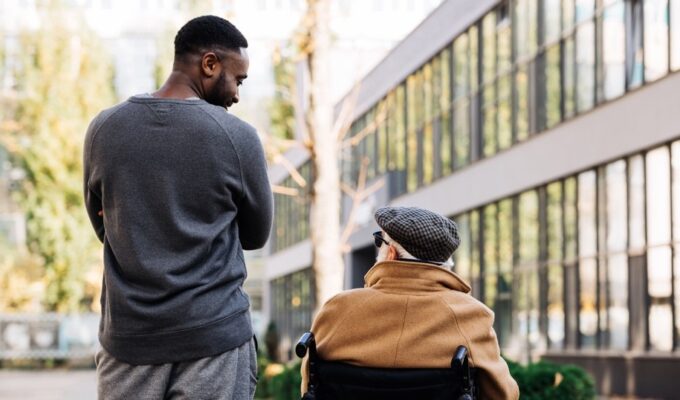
<point x="93" y="202"/>
<point x="256" y="205"/>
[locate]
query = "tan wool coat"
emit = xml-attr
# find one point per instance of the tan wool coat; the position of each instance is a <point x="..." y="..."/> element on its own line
<point x="412" y="315"/>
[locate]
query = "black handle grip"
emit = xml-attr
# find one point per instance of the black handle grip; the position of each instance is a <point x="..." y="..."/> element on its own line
<point x="459" y="357"/>
<point x="303" y="344"/>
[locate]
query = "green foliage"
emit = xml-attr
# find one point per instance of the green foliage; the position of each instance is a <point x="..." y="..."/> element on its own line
<point x="283" y="384"/>
<point x="286" y="385"/>
<point x="63" y="80"/>
<point x="546" y="380"/>
<point x="21" y="277"/>
<point x="281" y="109"/>
<point x="164" y="57"/>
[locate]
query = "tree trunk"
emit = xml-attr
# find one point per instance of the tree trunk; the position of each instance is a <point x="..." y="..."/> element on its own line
<point x="327" y="261"/>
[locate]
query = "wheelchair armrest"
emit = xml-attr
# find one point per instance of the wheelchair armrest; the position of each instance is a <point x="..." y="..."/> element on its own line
<point x="306" y="341"/>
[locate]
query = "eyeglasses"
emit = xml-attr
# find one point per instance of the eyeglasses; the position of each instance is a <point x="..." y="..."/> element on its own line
<point x="378" y="238"/>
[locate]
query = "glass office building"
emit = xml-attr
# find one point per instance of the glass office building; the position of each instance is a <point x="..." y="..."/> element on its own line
<point x="548" y="130"/>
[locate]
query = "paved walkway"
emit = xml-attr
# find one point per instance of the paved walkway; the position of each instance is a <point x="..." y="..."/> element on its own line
<point x="48" y="385"/>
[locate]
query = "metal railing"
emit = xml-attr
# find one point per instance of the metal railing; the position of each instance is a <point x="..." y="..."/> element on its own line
<point x="48" y="336"/>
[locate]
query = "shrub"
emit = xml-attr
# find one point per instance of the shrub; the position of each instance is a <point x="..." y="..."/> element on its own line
<point x="278" y="381"/>
<point x="286" y="385"/>
<point x="546" y="380"/>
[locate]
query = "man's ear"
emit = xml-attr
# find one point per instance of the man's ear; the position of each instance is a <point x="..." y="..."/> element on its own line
<point x="210" y="64"/>
<point x="391" y="253"/>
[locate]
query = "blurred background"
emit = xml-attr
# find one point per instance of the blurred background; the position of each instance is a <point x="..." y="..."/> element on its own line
<point x="547" y="129"/>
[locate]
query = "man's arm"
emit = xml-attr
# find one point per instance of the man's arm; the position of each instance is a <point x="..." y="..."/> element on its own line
<point x="93" y="202"/>
<point x="256" y="206"/>
<point x="495" y="381"/>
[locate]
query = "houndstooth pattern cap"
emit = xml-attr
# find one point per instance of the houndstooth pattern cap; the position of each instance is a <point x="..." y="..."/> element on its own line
<point x="423" y="233"/>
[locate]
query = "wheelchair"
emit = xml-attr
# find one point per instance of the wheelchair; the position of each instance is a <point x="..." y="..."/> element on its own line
<point x="335" y="380"/>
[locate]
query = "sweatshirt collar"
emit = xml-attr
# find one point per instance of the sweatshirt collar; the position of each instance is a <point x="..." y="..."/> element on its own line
<point x="413" y="276"/>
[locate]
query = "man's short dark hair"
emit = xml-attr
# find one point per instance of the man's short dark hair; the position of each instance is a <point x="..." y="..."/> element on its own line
<point x="206" y="32"/>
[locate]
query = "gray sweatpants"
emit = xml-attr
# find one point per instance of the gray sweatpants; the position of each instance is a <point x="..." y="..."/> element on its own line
<point x="231" y="375"/>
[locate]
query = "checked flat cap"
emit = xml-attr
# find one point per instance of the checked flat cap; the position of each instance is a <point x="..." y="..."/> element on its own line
<point x="426" y="235"/>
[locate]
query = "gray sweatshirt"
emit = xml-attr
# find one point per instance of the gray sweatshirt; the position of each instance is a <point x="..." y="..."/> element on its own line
<point x="183" y="187"/>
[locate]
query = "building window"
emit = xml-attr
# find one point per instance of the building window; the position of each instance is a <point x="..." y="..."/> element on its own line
<point x="522" y="103"/>
<point x="475" y="253"/>
<point x="659" y="267"/>
<point x="527" y="311"/>
<point x="636" y="219"/>
<point x="426" y="155"/>
<point x="675" y="150"/>
<point x="655" y="39"/>
<point x="488" y="91"/>
<point x="291" y="211"/>
<point x="675" y="34"/>
<point x="587" y="245"/>
<point x="613" y="51"/>
<point x="585" y="66"/>
<point x="634" y="49"/>
<point x="552" y="91"/>
<point x="504" y="299"/>
<point x="526" y="29"/>
<point x="292" y="304"/>
<point x="445" y="127"/>
<point x="490" y="255"/>
<point x="461" y="104"/>
<point x="462" y="254"/>
<point x="400" y="128"/>
<point x="382" y="139"/>
<point x="555" y="276"/>
<point x="616" y="258"/>
<point x="552" y="15"/>
<point x="414" y="118"/>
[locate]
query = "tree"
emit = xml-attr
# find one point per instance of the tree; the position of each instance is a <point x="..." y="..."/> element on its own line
<point x="325" y="140"/>
<point x="63" y="80"/>
<point x="327" y="261"/>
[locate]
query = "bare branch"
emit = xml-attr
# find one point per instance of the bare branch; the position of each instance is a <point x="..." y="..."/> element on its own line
<point x="356" y="202"/>
<point x="284" y="190"/>
<point x="347" y="190"/>
<point x="372" y="189"/>
<point x="368" y="129"/>
<point x="294" y="173"/>
<point x="344" y="122"/>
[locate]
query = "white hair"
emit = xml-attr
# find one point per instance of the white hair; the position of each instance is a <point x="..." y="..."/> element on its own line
<point x="402" y="253"/>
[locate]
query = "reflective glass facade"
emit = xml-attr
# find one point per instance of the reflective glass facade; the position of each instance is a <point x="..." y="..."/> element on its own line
<point x="523" y="68"/>
<point x="291" y="212"/>
<point x="561" y="264"/>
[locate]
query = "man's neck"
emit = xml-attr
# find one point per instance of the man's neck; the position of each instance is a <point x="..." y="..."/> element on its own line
<point x="178" y="86"/>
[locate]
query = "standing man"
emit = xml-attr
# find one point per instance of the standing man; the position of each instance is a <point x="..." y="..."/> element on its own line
<point x="176" y="188"/>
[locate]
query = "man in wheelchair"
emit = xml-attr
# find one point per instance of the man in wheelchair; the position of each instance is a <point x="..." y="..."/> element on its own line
<point x="413" y="315"/>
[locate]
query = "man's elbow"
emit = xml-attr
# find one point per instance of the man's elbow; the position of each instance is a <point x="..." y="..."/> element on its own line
<point x="254" y="241"/>
<point x="254" y="232"/>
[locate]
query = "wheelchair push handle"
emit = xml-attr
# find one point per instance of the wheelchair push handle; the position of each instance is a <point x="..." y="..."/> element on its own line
<point x="459" y="357"/>
<point x="306" y="340"/>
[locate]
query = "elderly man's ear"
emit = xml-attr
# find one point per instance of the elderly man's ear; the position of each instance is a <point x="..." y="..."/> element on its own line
<point x="391" y="253"/>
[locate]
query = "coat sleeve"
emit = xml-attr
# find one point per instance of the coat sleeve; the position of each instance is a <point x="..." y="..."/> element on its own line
<point x="495" y="381"/>
<point x="322" y="327"/>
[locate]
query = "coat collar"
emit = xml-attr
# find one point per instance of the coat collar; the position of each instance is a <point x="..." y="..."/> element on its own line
<point x="413" y="276"/>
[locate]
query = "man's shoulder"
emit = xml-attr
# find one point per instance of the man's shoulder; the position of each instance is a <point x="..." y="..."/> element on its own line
<point x="229" y="122"/>
<point x="108" y="112"/>
<point x="461" y="302"/>
<point x="348" y="297"/>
